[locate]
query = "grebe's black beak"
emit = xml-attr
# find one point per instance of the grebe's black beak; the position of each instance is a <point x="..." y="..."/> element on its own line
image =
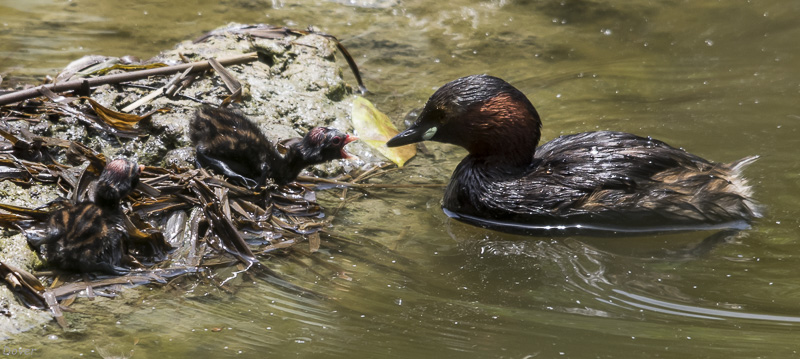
<point x="415" y="133"/>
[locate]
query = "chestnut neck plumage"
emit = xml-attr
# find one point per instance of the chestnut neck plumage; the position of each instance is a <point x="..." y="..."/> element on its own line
<point x="504" y="129"/>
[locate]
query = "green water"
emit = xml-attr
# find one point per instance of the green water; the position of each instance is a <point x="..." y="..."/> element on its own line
<point x="719" y="78"/>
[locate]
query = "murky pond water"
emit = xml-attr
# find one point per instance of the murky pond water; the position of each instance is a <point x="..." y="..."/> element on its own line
<point x="719" y="78"/>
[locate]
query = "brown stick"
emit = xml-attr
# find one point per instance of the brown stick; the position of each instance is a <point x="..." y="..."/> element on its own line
<point x="117" y="78"/>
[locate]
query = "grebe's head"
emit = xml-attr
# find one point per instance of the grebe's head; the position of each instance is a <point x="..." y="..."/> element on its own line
<point x="118" y="179"/>
<point x="323" y="144"/>
<point x="481" y="113"/>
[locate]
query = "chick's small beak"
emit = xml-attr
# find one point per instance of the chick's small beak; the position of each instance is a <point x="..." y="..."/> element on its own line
<point x="348" y="138"/>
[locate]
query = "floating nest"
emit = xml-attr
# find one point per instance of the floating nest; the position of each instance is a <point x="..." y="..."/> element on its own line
<point x="181" y="220"/>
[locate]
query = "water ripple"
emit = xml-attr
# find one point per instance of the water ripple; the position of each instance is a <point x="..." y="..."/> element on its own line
<point x="643" y="302"/>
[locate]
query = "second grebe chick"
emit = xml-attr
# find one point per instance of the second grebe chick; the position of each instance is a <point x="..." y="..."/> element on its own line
<point x="233" y="145"/>
<point x="606" y="178"/>
<point x="90" y="236"/>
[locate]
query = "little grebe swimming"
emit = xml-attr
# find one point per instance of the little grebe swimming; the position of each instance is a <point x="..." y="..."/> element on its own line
<point x="90" y="236"/>
<point x="233" y="145"/>
<point x="606" y="178"/>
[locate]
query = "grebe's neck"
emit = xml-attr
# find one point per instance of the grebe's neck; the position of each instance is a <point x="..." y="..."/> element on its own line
<point x="506" y="128"/>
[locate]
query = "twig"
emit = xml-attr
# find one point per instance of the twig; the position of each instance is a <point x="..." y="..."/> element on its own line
<point x="117" y="78"/>
<point x="156" y="93"/>
<point x="153" y="88"/>
<point x="233" y="85"/>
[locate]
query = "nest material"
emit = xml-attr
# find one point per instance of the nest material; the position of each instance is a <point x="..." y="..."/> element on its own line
<point x="180" y="219"/>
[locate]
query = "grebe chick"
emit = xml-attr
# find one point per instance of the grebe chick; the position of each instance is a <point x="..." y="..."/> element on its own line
<point x="232" y="145"/>
<point x="607" y="178"/>
<point x="90" y="236"/>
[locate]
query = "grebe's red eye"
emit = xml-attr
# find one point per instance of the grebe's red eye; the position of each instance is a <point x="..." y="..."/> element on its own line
<point x="336" y="141"/>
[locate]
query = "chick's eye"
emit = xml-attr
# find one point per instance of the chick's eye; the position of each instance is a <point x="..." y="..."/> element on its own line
<point x="336" y="141"/>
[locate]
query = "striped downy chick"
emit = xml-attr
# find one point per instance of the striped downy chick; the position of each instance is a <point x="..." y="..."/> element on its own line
<point x="90" y="236"/>
<point x="233" y="145"/>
